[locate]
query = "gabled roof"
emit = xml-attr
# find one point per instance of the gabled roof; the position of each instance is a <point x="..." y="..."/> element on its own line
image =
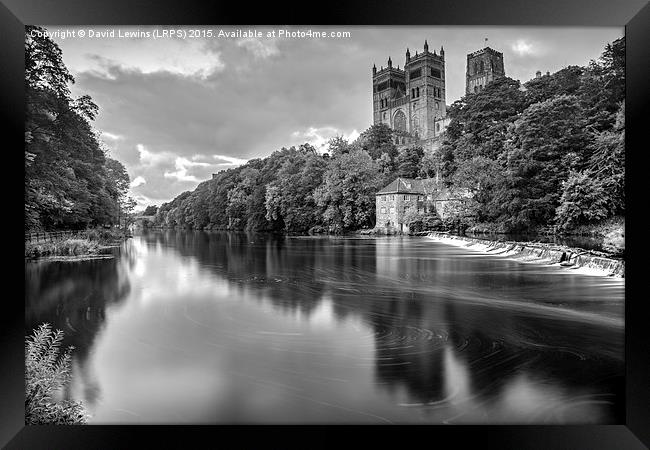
<point x="403" y="186"/>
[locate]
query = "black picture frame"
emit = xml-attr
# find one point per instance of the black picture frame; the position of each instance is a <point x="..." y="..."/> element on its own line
<point x="633" y="14"/>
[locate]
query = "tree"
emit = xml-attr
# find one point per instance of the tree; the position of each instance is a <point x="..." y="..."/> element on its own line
<point x="67" y="174"/>
<point x="338" y="146"/>
<point x="603" y="86"/>
<point x="377" y="141"/>
<point x="150" y="210"/>
<point x="347" y="194"/>
<point x="408" y="162"/>
<point x="583" y="200"/>
<point x="289" y="199"/>
<point x="566" y="81"/>
<point x="547" y="141"/>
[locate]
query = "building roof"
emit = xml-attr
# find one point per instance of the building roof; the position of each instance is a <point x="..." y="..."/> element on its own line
<point x="403" y="186"/>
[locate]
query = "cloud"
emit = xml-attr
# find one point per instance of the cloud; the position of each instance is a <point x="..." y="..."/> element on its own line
<point x="137" y="181"/>
<point x="183" y="166"/>
<point x="230" y="160"/>
<point x="523" y="48"/>
<point x="319" y="137"/>
<point x="261" y="48"/>
<point x="111" y="136"/>
<point x="183" y="57"/>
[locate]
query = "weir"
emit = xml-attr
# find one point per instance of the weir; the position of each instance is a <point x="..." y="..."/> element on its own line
<point x="569" y="257"/>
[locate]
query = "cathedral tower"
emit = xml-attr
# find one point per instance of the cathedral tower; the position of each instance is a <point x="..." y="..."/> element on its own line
<point x="483" y="66"/>
<point x="412" y="100"/>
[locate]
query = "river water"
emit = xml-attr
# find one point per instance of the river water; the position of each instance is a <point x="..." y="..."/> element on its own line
<point x="197" y="327"/>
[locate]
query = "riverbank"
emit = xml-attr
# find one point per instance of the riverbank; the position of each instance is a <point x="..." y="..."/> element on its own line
<point x="574" y="259"/>
<point x="90" y="244"/>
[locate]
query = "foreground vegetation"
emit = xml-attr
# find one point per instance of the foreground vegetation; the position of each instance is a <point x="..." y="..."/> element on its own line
<point x="545" y="154"/>
<point x="47" y="372"/>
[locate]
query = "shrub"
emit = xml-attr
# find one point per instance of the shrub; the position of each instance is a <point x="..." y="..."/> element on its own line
<point x="583" y="201"/>
<point x="46" y="372"/>
<point x="420" y="221"/>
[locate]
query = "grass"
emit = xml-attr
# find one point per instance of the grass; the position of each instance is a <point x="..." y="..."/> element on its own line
<point x="65" y="247"/>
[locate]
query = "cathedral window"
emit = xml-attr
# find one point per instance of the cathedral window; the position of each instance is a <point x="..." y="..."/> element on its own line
<point x="482" y="66"/>
<point x="417" y="91"/>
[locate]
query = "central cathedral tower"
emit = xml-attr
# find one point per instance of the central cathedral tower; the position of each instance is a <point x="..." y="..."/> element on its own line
<point x="412" y="100"/>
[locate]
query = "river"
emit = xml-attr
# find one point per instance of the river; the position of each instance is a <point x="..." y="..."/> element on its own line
<point x="223" y="328"/>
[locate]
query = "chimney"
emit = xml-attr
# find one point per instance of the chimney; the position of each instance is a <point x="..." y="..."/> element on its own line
<point x="538" y="74"/>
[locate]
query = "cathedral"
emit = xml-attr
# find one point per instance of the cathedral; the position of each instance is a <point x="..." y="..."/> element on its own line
<point x="412" y="100"/>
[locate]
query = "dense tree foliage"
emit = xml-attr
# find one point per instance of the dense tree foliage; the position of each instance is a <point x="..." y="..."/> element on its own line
<point x="69" y="180"/>
<point x="530" y="153"/>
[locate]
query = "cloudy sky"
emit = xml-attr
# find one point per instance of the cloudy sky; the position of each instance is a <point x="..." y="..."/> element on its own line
<point x="176" y="110"/>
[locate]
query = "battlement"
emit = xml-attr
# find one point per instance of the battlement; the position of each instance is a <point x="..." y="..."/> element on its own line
<point x="484" y="50"/>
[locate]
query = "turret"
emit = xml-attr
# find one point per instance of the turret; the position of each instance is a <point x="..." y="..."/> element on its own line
<point x="426" y="46"/>
<point x="408" y="55"/>
<point x="442" y="51"/>
<point x="374" y="69"/>
<point x="390" y="63"/>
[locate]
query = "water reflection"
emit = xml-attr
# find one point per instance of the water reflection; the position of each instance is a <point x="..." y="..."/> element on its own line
<point x="232" y="328"/>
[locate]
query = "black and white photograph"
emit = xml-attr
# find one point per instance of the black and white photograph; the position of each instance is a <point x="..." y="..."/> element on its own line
<point x="274" y="225"/>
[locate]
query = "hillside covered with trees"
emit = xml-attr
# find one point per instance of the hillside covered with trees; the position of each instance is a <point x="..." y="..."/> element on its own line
<point x="549" y="152"/>
<point x="70" y="182"/>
